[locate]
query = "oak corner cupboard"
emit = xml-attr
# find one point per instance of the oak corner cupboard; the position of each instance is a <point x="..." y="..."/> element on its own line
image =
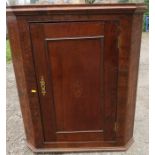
<point x="76" y="69"/>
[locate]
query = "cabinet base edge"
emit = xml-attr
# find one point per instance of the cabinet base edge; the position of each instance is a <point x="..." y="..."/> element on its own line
<point x="86" y="149"/>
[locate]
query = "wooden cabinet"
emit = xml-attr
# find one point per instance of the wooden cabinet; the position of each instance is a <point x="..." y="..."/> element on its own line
<point x="76" y="68"/>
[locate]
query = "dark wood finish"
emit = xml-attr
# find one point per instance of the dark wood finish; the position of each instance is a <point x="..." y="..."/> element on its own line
<point x="82" y="60"/>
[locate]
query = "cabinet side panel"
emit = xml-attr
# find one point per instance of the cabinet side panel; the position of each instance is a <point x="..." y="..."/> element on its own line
<point x="20" y="76"/>
<point x="30" y="80"/>
<point x="124" y="51"/>
<point x="133" y="73"/>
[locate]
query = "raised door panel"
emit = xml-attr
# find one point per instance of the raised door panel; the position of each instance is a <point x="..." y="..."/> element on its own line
<point x="76" y="68"/>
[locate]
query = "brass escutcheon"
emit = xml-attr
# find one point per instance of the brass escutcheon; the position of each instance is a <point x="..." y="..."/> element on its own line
<point x="43" y="86"/>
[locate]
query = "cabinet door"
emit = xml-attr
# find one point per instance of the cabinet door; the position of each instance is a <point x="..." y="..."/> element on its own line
<point x="76" y="67"/>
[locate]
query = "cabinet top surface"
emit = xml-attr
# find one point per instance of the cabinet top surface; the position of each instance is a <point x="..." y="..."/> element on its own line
<point x="107" y="8"/>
